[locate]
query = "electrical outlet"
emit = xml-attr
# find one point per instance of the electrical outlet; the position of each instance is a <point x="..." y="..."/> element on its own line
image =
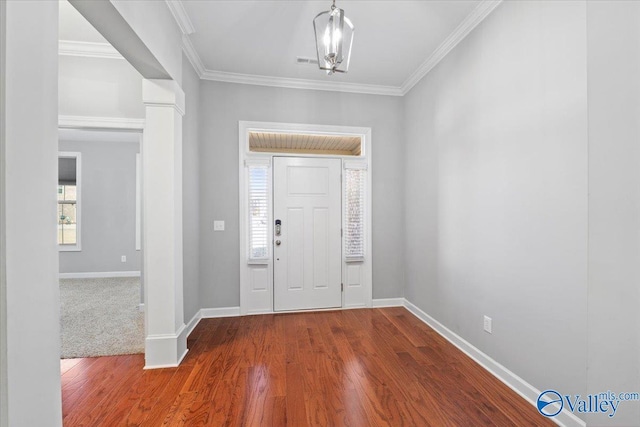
<point x="123" y="258"/>
<point x="487" y="324"/>
<point x="218" y="225"/>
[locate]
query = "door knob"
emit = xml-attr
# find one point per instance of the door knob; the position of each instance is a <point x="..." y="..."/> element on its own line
<point x="278" y="242"/>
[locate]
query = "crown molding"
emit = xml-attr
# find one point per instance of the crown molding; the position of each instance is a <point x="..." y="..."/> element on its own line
<point x="292" y="83"/>
<point x="192" y="55"/>
<point x="180" y="15"/>
<point x="88" y="49"/>
<point x="86" y="122"/>
<point x="105" y="50"/>
<point x="470" y="22"/>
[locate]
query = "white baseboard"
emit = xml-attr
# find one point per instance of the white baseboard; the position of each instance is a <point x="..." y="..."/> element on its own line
<point x="257" y="312"/>
<point x="168" y="365"/>
<point x="524" y="389"/>
<point x="193" y="322"/>
<point x="207" y="313"/>
<point x="165" y="350"/>
<point x="99" y="275"/>
<point x="388" y="302"/>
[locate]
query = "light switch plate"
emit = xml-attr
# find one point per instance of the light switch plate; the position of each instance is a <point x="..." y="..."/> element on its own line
<point x="218" y="225"/>
<point x="487" y="324"/>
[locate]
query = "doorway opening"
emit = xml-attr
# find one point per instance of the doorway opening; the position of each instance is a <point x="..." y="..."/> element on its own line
<point x="98" y="231"/>
<point x="101" y="124"/>
<point x="305" y="217"/>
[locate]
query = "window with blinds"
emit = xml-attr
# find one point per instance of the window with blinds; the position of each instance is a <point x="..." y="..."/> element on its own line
<point x="258" y="212"/>
<point x="354" y="214"/>
<point x="67" y="215"/>
<point x="69" y="193"/>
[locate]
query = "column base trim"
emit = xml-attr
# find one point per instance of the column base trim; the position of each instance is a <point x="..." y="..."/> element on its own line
<point x="166" y="350"/>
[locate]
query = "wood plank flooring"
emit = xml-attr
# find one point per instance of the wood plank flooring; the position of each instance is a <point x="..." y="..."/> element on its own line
<point x="369" y="367"/>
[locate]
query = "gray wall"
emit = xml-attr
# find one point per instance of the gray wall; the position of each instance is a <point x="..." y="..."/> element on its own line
<point x="108" y="207"/>
<point x="4" y="419"/>
<point x="190" y="191"/>
<point x="99" y="87"/>
<point x="523" y="195"/>
<point x="222" y="105"/>
<point x="614" y="201"/>
<point x="496" y="191"/>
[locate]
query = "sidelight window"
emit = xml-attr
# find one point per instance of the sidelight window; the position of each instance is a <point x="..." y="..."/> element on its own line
<point x="258" y="212"/>
<point x="354" y="216"/>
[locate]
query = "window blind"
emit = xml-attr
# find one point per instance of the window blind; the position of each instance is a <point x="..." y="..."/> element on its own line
<point x="258" y="212"/>
<point x="354" y="213"/>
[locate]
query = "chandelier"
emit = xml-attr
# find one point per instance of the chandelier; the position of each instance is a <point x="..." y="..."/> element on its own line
<point x="334" y="36"/>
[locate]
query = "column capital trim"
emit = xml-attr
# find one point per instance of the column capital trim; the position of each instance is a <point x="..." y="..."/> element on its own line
<point x="163" y="93"/>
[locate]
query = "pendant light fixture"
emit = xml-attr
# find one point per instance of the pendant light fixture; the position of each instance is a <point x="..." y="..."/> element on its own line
<point x="334" y="36"/>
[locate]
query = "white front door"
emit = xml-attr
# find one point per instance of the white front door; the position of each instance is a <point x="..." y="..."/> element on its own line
<point x="307" y="252"/>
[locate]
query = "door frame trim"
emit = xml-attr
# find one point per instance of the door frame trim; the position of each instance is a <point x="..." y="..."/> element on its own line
<point x="261" y="301"/>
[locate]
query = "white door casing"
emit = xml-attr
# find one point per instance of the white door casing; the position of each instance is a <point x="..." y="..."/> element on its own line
<point x="256" y="275"/>
<point x="307" y="254"/>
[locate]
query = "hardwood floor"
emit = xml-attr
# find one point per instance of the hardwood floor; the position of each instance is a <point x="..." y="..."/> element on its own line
<point x="369" y="367"/>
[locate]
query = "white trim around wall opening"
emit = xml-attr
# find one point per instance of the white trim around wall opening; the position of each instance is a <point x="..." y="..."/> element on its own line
<point x="256" y="275"/>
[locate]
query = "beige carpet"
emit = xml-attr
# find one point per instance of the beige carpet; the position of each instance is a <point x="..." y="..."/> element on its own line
<point x="100" y="317"/>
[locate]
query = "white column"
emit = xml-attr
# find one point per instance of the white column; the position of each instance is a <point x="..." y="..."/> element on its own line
<point x="166" y="341"/>
<point x="29" y="292"/>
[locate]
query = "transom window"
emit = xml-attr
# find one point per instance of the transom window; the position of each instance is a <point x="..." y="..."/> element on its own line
<point x="314" y="144"/>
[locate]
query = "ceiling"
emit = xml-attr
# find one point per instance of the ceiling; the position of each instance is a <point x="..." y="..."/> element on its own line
<point x="396" y="42"/>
